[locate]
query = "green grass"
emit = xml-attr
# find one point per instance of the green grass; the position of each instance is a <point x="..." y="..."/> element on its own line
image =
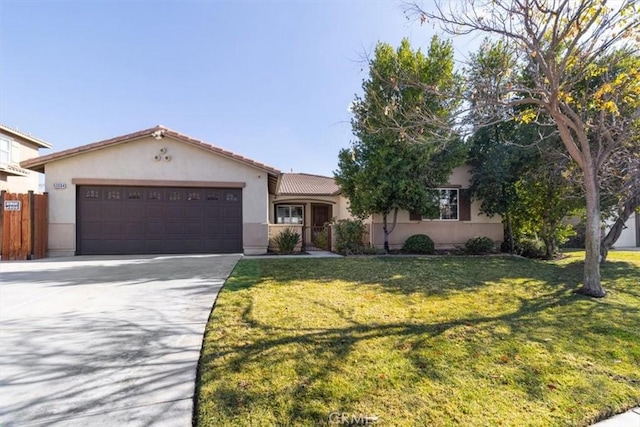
<point x="439" y="341"/>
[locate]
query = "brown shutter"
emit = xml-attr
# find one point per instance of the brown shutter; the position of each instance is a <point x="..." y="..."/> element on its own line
<point x="415" y="216"/>
<point x="465" y="205"/>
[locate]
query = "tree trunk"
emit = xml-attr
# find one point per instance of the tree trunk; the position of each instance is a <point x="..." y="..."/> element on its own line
<point x="612" y="236"/>
<point x="510" y="232"/>
<point x="386" y="233"/>
<point x="592" y="285"/>
<point x="386" y="229"/>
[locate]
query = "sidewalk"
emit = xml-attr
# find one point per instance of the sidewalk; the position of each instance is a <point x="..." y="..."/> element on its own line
<point x="631" y="418"/>
<point x="310" y="254"/>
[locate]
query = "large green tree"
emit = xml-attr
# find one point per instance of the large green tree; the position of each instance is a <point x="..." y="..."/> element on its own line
<point x="559" y="43"/>
<point x="395" y="160"/>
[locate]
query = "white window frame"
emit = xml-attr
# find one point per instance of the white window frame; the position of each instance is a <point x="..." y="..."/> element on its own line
<point x="289" y="216"/>
<point x="9" y="144"/>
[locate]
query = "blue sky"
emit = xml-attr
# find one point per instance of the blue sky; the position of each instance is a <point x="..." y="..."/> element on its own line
<point x="271" y="80"/>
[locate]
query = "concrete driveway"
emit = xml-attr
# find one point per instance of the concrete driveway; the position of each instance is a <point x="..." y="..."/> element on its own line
<point x="108" y="341"/>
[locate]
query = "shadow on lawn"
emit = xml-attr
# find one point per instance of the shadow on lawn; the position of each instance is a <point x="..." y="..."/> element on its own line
<point x="331" y="346"/>
<point x="407" y="275"/>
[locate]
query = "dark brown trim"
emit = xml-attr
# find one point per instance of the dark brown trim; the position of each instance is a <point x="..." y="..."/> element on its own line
<point x="157" y="183"/>
<point x="464" y="205"/>
<point x="415" y="216"/>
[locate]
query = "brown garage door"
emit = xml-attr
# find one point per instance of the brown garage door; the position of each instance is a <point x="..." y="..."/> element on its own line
<point x="155" y="220"/>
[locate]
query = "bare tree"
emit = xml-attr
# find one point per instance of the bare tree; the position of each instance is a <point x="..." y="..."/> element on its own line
<point x="560" y="44"/>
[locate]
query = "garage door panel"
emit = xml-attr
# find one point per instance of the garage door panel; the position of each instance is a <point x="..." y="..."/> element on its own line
<point x="111" y="228"/>
<point x="135" y="210"/>
<point x="91" y="229"/>
<point x="230" y="213"/>
<point x="213" y="213"/>
<point x="112" y="210"/>
<point x="153" y="229"/>
<point x="170" y="212"/>
<point x="134" y="246"/>
<point x="193" y="212"/>
<point x="134" y="230"/>
<point x="94" y="210"/>
<point x="154" y="246"/>
<point x="194" y="229"/>
<point x="212" y="228"/>
<point x="138" y="220"/>
<point x="153" y="210"/>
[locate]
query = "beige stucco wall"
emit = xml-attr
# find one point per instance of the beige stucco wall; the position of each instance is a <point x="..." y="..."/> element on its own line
<point x="134" y="160"/>
<point x="21" y="184"/>
<point x="445" y="233"/>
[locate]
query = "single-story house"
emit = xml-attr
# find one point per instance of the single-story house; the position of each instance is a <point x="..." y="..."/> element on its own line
<point x="16" y="146"/>
<point x="159" y="191"/>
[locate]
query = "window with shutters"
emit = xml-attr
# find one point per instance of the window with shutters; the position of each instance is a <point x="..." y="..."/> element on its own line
<point x="454" y="205"/>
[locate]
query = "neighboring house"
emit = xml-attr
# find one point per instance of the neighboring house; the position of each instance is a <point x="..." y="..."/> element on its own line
<point x="158" y="191"/>
<point x="630" y="236"/>
<point x="16" y="146"/>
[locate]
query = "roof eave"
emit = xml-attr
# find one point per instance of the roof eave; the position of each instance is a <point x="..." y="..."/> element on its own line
<point x="37" y="164"/>
<point x="32" y="139"/>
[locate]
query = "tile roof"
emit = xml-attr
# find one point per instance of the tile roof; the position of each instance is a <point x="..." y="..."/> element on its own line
<point x="299" y="184"/>
<point x="39" y="142"/>
<point x="37" y="163"/>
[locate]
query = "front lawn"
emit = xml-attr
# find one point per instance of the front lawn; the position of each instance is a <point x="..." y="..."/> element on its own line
<point x="437" y="341"/>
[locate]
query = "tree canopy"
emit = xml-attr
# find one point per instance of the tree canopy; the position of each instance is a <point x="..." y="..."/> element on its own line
<point x="395" y="162"/>
<point x="560" y="79"/>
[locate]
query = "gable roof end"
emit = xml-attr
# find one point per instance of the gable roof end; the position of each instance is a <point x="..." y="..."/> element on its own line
<point x="37" y="164"/>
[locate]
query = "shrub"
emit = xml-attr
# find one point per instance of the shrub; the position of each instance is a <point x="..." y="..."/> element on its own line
<point x="321" y="238"/>
<point x="349" y="235"/>
<point x="371" y="250"/>
<point x="577" y="240"/>
<point x="286" y="241"/>
<point x="531" y="248"/>
<point x="419" y="244"/>
<point x="479" y="245"/>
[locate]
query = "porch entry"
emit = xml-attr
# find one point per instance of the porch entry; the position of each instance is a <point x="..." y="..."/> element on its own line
<point x="320" y="235"/>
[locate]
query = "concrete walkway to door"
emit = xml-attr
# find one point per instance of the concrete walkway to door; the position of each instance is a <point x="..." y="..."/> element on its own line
<point x="109" y="341"/>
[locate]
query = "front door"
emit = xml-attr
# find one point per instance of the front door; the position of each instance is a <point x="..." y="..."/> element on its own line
<point x="320" y="235"/>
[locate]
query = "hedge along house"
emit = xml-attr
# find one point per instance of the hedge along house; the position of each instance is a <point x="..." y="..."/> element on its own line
<point x="459" y="219"/>
<point x="155" y="191"/>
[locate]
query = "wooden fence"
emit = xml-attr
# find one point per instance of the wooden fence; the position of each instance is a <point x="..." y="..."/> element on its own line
<point x="23" y="225"/>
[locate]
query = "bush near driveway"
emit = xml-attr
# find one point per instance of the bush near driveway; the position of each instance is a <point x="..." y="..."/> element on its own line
<point x="441" y="341"/>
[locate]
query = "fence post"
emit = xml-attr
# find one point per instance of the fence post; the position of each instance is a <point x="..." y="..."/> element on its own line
<point x="2" y="193"/>
<point x="32" y="224"/>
